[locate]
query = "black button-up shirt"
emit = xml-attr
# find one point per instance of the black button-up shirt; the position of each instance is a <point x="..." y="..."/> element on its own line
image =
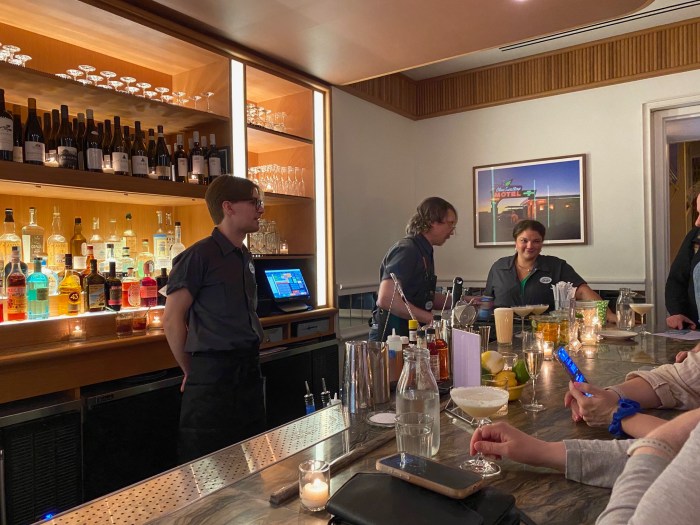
<point x="221" y="279"/>
<point x="504" y="286"/>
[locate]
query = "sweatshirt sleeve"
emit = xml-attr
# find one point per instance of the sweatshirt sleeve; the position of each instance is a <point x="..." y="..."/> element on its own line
<point x="595" y="462"/>
<point x="677" y="385"/>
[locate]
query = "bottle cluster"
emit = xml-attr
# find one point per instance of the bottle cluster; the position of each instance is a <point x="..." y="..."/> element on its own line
<point x="104" y="147"/>
<point x="53" y="284"/>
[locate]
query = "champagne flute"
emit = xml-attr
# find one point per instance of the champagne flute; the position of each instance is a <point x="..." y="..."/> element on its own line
<point x="533" y="361"/>
<point x="522" y="312"/>
<point x="480" y="402"/>
<point x="642" y="309"/>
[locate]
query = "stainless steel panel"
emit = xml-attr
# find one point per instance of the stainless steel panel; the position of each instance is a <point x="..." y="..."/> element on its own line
<point x="168" y="492"/>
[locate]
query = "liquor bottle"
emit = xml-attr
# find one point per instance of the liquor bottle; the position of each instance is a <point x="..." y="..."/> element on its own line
<point x="56" y="245"/>
<point x="69" y="289"/>
<point x="177" y="248"/>
<point x="114" y="237"/>
<point x="97" y="241"/>
<point x="38" y="290"/>
<point x="126" y="261"/>
<point x="94" y="286"/>
<point x="196" y="162"/>
<point x="120" y="155"/>
<point x="129" y="237"/>
<point x="169" y="231"/>
<point x="32" y="238"/>
<point x="6" y="130"/>
<point x="8" y="267"/>
<point x="106" y="148"/>
<point x="434" y="353"/>
<point x="161" y="281"/>
<point x="139" y="154"/>
<point x="89" y="257"/>
<point x="213" y="159"/>
<point x="144" y="259"/>
<point x="151" y="151"/>
<point x="9" y="237"/>
<point x="160" y="244"/>
<point x="78" y="241"/>
<point x="180" y="161"/>
<point x="80" y="140"/>
<point x="16" y="290"/>
<point x="51" y="157"/>
<point x="131" y="290"/>
<point x="110" y="257"/>
<point x="51" y="276"/>
<point x="34" y="146"/>
<point x="162" y="157"/>
<point x="149" y="291"/>
<point x="17" y="139"/>
<point x="442" y="348"/>
<point x="113" y="288"/>
<point x="66" y="147"/>
<point x="92" y="147"/>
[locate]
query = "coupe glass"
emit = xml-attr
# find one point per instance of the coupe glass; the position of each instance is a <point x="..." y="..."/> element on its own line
<point x="23" y="59"/>
<point x="539" y="309"/>
<point x="196" y="98"/>
<point x="87" y="69"/>
<point x="480" y="402"/>
<point x="144" y="86"/>
<point x="74" y="73"/>
<point x="522" y="312"/>
<point x="208" y="95"/>
<point x="128" y="81"/>
<point x="95" y="79"/>
<point x="11" y="50"/>
<point x="166" y="98"/>
<point x="150" y="94"/>
<point x="161" y="91"/>
<point x="178" y="97"/>
<point x="116" y="84"/>
<point x="642" y="309"/>
<point x="64" y="76"/>
<point x="533" y="361"/>
<point x="108" y="75"/>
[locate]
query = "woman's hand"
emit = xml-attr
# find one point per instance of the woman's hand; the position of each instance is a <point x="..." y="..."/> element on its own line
<point x="596" y="411"/>
<point x="681" y="356"/>
<point x="676" y="322"/>
<point x="502" y="440"/>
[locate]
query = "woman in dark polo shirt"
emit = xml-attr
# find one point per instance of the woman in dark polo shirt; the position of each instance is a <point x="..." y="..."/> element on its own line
<point x="527" y="277"/>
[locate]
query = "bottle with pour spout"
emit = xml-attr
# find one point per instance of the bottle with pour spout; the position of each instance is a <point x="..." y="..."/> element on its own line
<point x="417" y="391"/>
<point x="395" y="356"/>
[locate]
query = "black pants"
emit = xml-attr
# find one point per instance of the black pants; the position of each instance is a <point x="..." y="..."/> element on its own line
<point x="223" y="403"/>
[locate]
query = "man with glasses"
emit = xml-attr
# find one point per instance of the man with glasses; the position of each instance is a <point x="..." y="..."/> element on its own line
<point x="411" y="261"/>
<point x="212" y="328"/>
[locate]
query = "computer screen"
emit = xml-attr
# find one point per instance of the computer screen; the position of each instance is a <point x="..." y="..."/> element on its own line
<point x="287" y="284"/>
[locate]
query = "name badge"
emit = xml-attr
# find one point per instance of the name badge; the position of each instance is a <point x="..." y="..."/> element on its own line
<point x="429" y="305"/>
<point x="252" y="268"/>
<point x="545" y="280"/>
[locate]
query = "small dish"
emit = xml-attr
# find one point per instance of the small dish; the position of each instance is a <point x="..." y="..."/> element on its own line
<point x="382" y="419"/>
<point x="618" y="334"/>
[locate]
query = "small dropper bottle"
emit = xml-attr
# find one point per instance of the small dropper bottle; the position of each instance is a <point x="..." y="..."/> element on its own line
<point x="309" y="400"/>
<point x="325" y="395"/>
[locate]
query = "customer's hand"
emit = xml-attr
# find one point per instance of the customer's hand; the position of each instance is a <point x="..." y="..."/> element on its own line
<point x="681" y="356"/>
<point x="676" y="322"/>
<point x="596" y="411"/>
<point x="182" y="385"/>
<point x="502" y="440"/>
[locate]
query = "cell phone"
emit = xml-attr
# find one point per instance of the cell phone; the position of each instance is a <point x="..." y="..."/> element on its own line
<point x="570" y="366"/>
<point x="443" y="479"/>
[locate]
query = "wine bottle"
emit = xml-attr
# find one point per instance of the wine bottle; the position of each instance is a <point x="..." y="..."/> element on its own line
<point x="120" y="156"/>
<point x="106" y="151"/>
<point x="47" y="125"/>
<point x="51" y="157"/>
<point x="92" y="147"/>
<point x="66" y="148"/>
<point x="139" y="154"/>
<point x="196" y="161"/>
<point x="128" y="145"/>
<point x="34" y="146"/>
<point x="113" y="288"/>
<point x="161" y="281"/>
<point x="205" y="150"/>
<point x="151" y="154"/>
<point x="80" y="140"/>
<point x="94" y="285"/>
<point x="17" y="140"/>
<point x="180" y="160"/>
<point x="6" y="130"/>
<point x="213" y="159"/>
<point x="162" y="157"/>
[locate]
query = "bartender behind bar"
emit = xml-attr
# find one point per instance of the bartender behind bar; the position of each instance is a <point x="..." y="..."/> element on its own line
<point x="212" y="328"/>
<point x="411" y="261"/>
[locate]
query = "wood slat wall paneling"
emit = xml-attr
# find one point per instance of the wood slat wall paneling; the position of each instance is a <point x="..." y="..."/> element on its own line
<point x="658" y="51"/>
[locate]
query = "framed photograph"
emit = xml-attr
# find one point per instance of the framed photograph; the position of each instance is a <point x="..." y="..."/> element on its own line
<point x="551" y="191"/>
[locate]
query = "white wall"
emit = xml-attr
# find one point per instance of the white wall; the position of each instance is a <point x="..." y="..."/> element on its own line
<point x="405" y="161"/>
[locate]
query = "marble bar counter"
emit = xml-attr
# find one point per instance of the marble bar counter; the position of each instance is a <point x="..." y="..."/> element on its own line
<point x="214" y="492"/>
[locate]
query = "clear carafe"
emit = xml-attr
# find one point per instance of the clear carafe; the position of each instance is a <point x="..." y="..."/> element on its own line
<point x="271" y="238"/>
<point x="623" y="310"/>
<point x="417" y="391"/>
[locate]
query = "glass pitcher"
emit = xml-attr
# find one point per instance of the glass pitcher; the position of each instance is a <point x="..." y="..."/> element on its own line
<point x="625" y="315"/>
<point x="417" y="391"/>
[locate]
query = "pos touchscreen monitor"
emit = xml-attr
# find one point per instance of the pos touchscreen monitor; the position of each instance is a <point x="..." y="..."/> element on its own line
<point x="289" y="289"/>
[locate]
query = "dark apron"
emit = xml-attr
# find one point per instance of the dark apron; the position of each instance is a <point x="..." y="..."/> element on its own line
<point x="223" y="402"/>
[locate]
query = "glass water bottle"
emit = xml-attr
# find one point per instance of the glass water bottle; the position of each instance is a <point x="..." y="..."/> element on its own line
<point x="417" y="390"/>
<point x="625" y="315"/>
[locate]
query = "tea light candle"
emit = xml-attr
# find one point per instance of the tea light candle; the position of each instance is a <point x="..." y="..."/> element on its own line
<point x="155" y="321"/>
<point x="314" y="495"/>
<point x="194" y="178"/>
<point x="589" y="335"/>
<point x="284" y="248"/>
<point x="548" y="349"/>
<point x="76" y="330"/>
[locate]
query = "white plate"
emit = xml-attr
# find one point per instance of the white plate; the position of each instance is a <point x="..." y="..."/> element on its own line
<point x="618" y="334"/>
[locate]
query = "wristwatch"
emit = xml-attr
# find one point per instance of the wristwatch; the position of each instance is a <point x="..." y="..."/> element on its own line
<point x="625" y="408"/>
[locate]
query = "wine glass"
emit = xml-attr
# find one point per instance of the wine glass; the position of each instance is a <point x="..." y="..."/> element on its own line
<point x="144" y="86"/>
<point x="95" y="79"/>
<point x="162" y="91"/>
<point x="11" y="50"/>
<point x="196" y="98"/>
<point x="208" y="95"/>
<point x="480" y="402"/>
<point x="64" y="76"/>
<point x="522" y="312"/>
<point x="108" y="75"/>
<point x="75" y="73"/>
<point x="178" y="97"/>
<point x="150" y="94"/>
<point x="533" y="361"/>
<point x="116" y="84"/>
<point x="23" y="59"/>
<point x="642" y="309"/>
<point x="87" y="69"/>
<point x="128" y="81"/>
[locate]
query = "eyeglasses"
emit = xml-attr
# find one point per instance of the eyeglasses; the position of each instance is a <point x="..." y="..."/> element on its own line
<point x="258" y="203"/>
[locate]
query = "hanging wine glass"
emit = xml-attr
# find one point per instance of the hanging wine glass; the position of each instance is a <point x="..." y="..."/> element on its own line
<point x="74" y="73"/>
<point x="208" y="94"/>
<point x="144" y="86"/>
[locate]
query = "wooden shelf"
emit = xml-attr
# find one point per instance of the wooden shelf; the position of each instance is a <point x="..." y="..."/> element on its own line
<point x="262" y="140"/>
<point x="52" y="91"/>
<point x="60" y="183"/>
